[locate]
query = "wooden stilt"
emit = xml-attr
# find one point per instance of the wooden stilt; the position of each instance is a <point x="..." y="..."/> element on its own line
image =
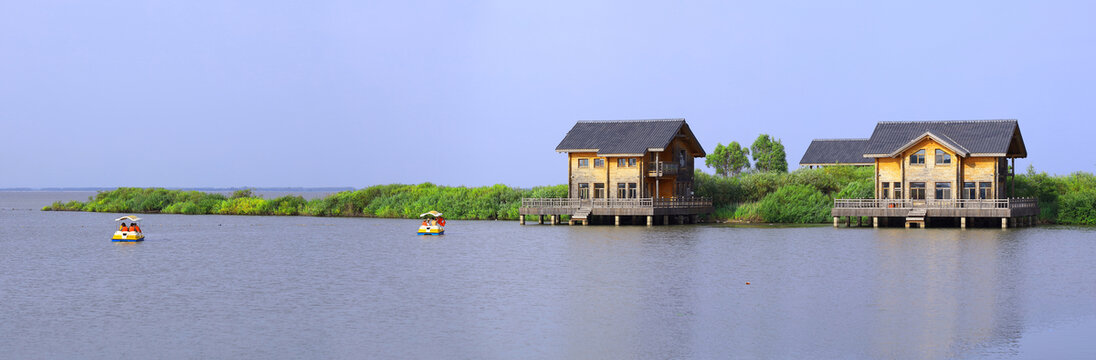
<point x="521" y="219"/>
<point x="616" y="220"/>
<point x="650" y="220"/>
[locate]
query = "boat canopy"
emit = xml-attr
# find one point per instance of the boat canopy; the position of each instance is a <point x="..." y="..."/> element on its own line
<point x="128" y="217"/>
<point x="432" y="213"/>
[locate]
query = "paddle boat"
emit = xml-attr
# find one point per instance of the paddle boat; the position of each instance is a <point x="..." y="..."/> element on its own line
<point x="432" y="224"/>
<point x="130" y="233"/>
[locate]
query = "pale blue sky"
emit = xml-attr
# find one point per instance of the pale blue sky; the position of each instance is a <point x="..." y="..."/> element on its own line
<point x="268" y="93"/>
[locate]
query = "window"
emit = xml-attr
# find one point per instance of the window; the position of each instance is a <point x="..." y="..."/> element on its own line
<point x="886" y="190"/>
<point x="622" y="191"/>
<point x="632" y="190"/>
<point x="969" y="191"/>
<point x="942" y="158"/>
<point x="918" y="158"/>
<point x="897" y="190"/>
<point x="583" y="191"/>
<point x="985" y="190"/>
<point x="681" y="158"/>
<point x="599" y="191"/>
<point x="917" y="191"/>
<point x="599" y="163"/>
<point x="943" y="191"/>
<point x="626" y="162"/>
<point x="583" y="162"/>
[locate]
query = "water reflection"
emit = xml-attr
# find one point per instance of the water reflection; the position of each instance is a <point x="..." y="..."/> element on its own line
<point x="940" y="294"/>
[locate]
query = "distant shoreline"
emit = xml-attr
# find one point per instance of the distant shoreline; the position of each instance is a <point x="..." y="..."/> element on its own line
<point x="282" y="189"/>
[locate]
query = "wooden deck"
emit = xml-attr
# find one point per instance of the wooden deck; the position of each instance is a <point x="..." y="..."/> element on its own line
<point x="937" y="208"/>
<point x="581" y="209"/>
<point x="1018" y="210"/>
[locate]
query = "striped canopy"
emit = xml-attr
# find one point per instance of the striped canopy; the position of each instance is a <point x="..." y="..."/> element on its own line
<point x="128" y="217"/>
<point x="432" y="213"/>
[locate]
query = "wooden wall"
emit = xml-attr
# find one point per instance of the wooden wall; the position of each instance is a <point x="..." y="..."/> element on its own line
<point x="978" y="169"/>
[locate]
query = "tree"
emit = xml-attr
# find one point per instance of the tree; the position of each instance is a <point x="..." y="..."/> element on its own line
<point x="768" y="154"/>
<point x="718" y="160"/>
<point x="728" y="160"/>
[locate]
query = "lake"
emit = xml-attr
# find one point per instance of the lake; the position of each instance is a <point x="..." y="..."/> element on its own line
<point x="211" y="286"/>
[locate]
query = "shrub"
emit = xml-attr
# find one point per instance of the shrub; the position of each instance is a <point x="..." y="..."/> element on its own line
<point x="795" y="204"/>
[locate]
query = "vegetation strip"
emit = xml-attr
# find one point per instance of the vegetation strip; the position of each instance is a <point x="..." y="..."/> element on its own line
<point x="801" y="196"/>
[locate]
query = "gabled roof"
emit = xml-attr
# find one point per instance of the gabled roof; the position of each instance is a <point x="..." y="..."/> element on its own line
<point x="626" y="137"/>
<point x="836" y="151"/>
<point x="972" y="137"/>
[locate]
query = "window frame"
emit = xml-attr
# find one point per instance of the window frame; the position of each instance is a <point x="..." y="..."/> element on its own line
<point x="918" y="157"/>
<point x="584" y="190"/>
<point x="599" y="191"/>
<point x="599" y="160"/>
<point x="970" y="192"/>
<point x="886" y="190"/>
<point x="941" y="190"/>
<point x="917" y="191"/>
<point x="583" y="162"/>
<point x="985" y="190"/>
<point x="897" y="190"/>
<point x="632" y="162"/>
<point x="632" y="193"/>
<point x="946" y="158"/>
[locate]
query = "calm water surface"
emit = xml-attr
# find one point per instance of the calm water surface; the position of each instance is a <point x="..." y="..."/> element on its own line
<point x="300" y="287"/>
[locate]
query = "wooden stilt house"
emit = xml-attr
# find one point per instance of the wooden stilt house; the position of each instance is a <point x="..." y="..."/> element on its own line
<point x="633" y="168"/>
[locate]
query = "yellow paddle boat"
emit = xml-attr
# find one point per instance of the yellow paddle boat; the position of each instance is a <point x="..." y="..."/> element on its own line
<point x="128" y="233"/>
<point x="432" y="224"/>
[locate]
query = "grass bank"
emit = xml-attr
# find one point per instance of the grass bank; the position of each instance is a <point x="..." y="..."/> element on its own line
<point x="386" y="201"/>
<point x="803" y="196"/>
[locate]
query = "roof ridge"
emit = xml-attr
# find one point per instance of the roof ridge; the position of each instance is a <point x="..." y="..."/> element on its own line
<point x="629" y="121"/>
<point x="843" y="139"/>
<point x="949" y="121"/>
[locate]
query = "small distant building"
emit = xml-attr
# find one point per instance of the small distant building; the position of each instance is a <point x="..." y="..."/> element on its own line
<point x="631" y="168"/>
<point x="836" y="152"/>
<point x="935" y="169"/>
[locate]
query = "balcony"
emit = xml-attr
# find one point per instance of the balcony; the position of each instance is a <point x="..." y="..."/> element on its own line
<point x="661" y="169"/>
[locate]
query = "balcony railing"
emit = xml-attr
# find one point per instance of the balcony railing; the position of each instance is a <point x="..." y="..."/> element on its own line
<point x="572" y="203"/>
<point x="661" y="169"/>
<point x="1014" y="203"/>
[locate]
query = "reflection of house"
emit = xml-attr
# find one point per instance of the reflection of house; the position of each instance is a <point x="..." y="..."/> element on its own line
<point x="627" y="168"/>
<point x="947" y="169"/>
<point x="836" y="152"/>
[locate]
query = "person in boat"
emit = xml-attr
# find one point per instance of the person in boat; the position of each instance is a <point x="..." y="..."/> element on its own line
<point x="123" y="227"/>
<point x="135" y="228"/>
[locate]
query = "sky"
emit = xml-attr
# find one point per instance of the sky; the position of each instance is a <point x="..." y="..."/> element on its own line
<point x="357" y="93"/>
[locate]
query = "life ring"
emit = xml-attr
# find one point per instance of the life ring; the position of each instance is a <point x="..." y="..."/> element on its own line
<point x="441" y="221"/>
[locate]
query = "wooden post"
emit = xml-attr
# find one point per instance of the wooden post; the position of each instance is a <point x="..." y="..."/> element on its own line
<point x="616" y="220"/>
<point x="584" y="221"/>
<point x="835" y="220"/>
<point x="650" y="220"/>
<point x="907" y="224"/>
<point x="553" y="220"/>
<point x="848" y="221"/>
<point x="1004" y="223"/>
<point x="665" y="219"/>
<point x="963" y="222"/>
<point x="875" y="222"/>
<point x="541" y="219"/>
<point x="521" y="219"/>
<point x="859" y="221"/>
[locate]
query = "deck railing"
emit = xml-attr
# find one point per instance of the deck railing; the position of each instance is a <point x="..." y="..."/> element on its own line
<point x="1014" y="203"/>
<point x="661" y="168"/>
<point x="571" y="203"/>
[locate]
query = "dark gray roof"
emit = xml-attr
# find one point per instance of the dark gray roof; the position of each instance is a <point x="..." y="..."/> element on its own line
<point x="836" y="151"/>
<point x="972" y="136"/>
<point x="623" y="136"/>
